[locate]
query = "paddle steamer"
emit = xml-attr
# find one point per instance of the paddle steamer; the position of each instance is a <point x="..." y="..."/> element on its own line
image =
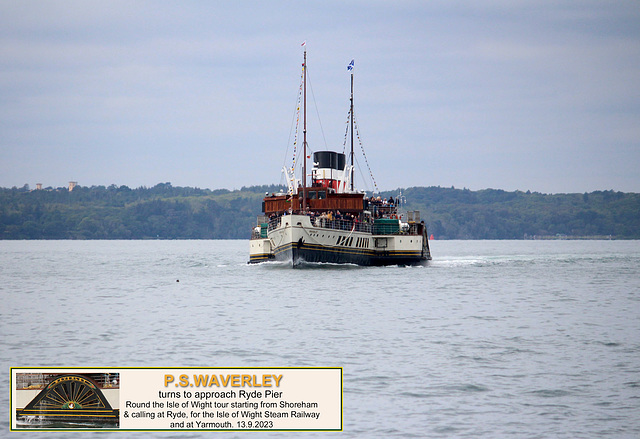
<point x="326" y="220"/>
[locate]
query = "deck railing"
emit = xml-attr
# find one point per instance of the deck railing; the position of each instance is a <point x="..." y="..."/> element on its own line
<point x="341" y="224"/>
<point x="349" y="225"/>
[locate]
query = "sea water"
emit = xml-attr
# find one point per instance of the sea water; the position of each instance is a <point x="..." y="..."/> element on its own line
<point x="517" y="339"/>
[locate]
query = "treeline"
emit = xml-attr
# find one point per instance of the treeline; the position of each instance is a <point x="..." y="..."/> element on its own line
<point x="119" y="212"/>
<point x="496" y="214"/>
<point x="168" y="212"/>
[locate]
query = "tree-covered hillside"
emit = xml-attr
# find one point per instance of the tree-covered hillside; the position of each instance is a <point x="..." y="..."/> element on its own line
<point x="168" y="212"/>
<point x="113" y="212"/>
<point x="496" y="214"/>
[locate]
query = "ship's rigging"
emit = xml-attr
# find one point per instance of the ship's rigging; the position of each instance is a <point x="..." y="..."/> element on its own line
<point x="352" y="131"/>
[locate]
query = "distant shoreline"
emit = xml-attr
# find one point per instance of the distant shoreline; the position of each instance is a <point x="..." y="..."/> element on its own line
<point x="571" y="238"/>
<point x="168" y="212"/>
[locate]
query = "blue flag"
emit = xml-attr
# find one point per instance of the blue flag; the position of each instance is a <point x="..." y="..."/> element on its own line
<point x="350" y="66"/>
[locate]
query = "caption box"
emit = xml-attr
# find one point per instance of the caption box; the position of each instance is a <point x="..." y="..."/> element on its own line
<point x="187" y="398"/>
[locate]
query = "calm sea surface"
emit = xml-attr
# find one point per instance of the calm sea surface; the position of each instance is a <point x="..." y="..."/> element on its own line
<point x="517" y="339"/>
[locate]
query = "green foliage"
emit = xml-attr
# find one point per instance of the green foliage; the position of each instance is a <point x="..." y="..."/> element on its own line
<point x="495" y="214"/>
<point x="167" y="212"/>
<point x="98" y="212"/>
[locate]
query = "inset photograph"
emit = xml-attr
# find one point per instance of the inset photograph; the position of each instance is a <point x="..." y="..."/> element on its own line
<point x="67" y="400"/>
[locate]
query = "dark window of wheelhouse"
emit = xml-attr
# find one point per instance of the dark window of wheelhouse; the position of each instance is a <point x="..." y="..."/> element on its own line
<point x="322" y="195"/>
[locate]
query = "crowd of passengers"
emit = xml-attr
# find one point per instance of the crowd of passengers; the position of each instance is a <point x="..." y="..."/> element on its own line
<point x="378" y="201"/>
<point x="326" y="216"/>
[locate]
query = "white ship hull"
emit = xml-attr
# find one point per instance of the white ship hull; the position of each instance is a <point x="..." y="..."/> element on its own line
<point x="297" y="240"/>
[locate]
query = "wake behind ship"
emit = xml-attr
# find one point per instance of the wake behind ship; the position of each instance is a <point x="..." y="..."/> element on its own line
<point x="326" y="220"/>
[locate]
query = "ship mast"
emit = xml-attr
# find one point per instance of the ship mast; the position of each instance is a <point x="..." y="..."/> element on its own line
<point x="304" y="136"/>
<point x="351" y="112"/>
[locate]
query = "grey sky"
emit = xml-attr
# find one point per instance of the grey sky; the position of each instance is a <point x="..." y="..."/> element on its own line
<point x="529" y="95"/>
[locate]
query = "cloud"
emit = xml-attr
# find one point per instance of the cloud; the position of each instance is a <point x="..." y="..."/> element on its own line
<point x="493" y="94"/>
